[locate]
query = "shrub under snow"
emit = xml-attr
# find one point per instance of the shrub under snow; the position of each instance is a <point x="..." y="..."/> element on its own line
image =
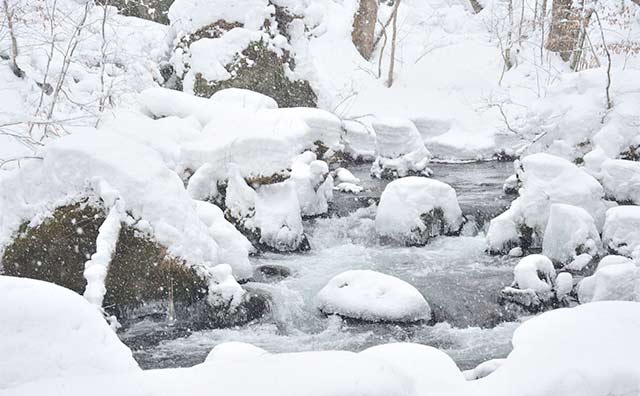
<point x="621" y="231"/>
<point x="400" y="149"/>
<point x="414" y="209"/>
<point x="570" y="232"/>
<point x="372" y="296"/>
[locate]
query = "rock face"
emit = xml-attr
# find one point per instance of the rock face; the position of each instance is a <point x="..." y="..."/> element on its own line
<point x="241" y="45"/>
<point x="400" y="150"/>
<point x="570" y="232"/>
<point x="141" y="272"/>
<point x="374" y="297"/>
<point x="621" y="231"/>
<point x="413" y="210"/>
<point x="546" y="180"/>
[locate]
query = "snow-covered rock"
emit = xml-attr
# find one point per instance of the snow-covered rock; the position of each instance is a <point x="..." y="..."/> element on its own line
<point x="546" y="180"/>
<point x="435" y="373"/>
<point x="483" y="369"/>
<point x="511" y="185"/>
<point x="616" y="278"/>
<point x="48" y="331"/>
<point x="621" y="231"/>
<point x="535" y="272"/>
<point x="349" y="188"/>
<point x="621" y="180"/>
<point x="555" y="354"/>
<point x="372" y="296"/>
<point x="244" y="99"/>
<point x="570" y="232"/>
<point x="343" y="175"/>
<point x="233" y="351"/>
<point x="400" y="149"/>
<point x="314" y="184"/>
<point x="414" y="209"/>
<point x="278" y="217"/>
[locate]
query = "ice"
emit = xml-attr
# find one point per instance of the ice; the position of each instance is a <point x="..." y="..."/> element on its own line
<point x="372" y="296"/>
<point x="570" y="232"/>
<point x="48" y="332"/>
<point x="414" y="209"/>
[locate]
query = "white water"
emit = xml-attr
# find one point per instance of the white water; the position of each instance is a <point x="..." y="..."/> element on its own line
<point x="458" y="279"/>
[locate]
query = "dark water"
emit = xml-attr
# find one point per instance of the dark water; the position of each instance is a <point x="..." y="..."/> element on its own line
<point x="457" y="278"/>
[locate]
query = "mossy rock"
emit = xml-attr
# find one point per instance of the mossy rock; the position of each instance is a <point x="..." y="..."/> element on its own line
<point x="140" y="270"/>
<point x="153" y="10"/>
<point x="259" y="69"/>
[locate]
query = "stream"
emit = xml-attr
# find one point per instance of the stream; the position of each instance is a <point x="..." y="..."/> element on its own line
<point x="458" y="279"/>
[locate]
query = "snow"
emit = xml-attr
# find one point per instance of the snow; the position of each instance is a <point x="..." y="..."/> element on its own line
<point x="400" y="149"/>
<point x="535" y="272"/>
<point x="343" y="175"/>
<point x="546" y="180"/>
<point x="313" y="183"/>
<point x="621" y="231"/>
<point x="433" y="371"/>
<point x="579" y="262"/>
<point x="349" y="188"/>
<point x="278" y="216"/>
<point x="570" y="232"/>
<point x="405" y="200"/>
<point x="48" y="331"/>
<point x="187" y="16"/>
<point x="483" y="369"/>
<point x="616" y="278"/>
<point x="621" y="180"/>
<point x="225" y="291"/>
<point x="245" y="99"/>
<point x="564" y="284"/>
<point x="555" y="354"/>
<point x="372" y="296"/>
<point x="233" y="351"/>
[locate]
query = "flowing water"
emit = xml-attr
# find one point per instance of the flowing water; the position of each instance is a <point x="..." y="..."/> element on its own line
<point x="458" y="279"/>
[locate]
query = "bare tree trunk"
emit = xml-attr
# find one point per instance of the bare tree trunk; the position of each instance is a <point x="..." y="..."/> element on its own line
<point x="636" y="1"/>
<point x="394" y="36"/>
<point x="606" y="51"/>
<point x="565" y="28"/>
<point x="579" y="50"/>
<point x="477" y="7"/>
<point x="364" y="25"/>
<point x="14" y="43"/>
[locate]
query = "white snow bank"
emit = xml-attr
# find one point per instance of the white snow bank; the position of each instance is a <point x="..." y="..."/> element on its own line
<point x="404" y="202"/>
<point x="400" y="149"/>
<point x="372" y="296"/>
<point x="546" y="180"/>
<point x="570" y="232"/>
<point x="434" y="372"/>
<point x="616" y="278"/>
<point x="621" y="180"/>
<point x="48" y="331"/>
<point x="621" y="231"/>
<point x="535" y="272"/>
<point x="589" y="350"/>
<point x="329" y="373"/>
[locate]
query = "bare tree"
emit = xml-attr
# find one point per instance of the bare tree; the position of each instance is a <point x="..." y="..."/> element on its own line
<point x="566" y="21"/>
<point x="606" y="51"/>
<point x="8" y="12"/>
<point x="364" y="25"/>
<point x="394" y="36"/>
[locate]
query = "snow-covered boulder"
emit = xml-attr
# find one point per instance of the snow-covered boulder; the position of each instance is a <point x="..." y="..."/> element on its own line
<point x="621" y="180"/>
<point x="48" y="331"/>
<point x="546" y="180"/>
<point x="589" y="350"/>
<point x="414" y="209"/>
<point x="483" y="369"/>
<point x="278" y="217"/>
<point x="400" y="150"/>
<point x="233" y="351"/>
<point x="435" y="373"/>
<point x="314" y="184"/>
<point x="372" y="296"/>
<point x="621" y="231"/>
<point x="616" y="278"/>
<point x="245" y="99"/>
<point x="511" y="185"/>
<point x="535" y="272"/>
<point x="570" y="232"/>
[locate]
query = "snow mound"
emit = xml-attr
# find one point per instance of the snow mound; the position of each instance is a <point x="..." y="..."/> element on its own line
<point x="314" y="184"/>
<point x="483" y="369"/>
<point x="535" y="272"/>
<point x="231" y="351"/>
<point x="621" y="180"/>
<point x="414" y="209"/>
<point x="546" y="180"/>
<point x="621" y="231"/>
<point x="48" y="331"/>
<point x="400" y="149"/>
<point x="556" y="354"/>
<point x="245" y="99"/>
<point x="372" y="296"/>
<point x="570" y="232"/>
<point x="278" y="216"/>
<point x="434" y="372"/>
<point x="616" y="278"/>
